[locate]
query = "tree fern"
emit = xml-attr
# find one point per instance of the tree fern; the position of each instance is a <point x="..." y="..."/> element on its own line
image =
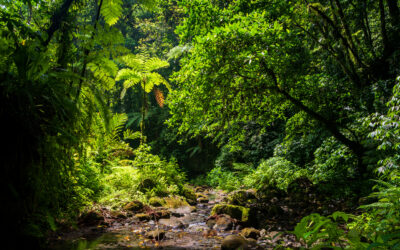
<point x="111" y="11"/>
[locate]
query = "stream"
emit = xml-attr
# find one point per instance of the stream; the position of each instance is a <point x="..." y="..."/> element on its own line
<point x="185" y="229"/>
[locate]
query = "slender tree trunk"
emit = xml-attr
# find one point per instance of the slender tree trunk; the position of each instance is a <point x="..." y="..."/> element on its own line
<point x="142" y="140"/>
<point x="394" y="12"/>
<point x="57" y="19"/>
<point x="384" y="35"/>
<point x="86" y="51"/>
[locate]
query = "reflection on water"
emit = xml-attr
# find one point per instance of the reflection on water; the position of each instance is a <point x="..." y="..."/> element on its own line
<point x="110" y="240"/>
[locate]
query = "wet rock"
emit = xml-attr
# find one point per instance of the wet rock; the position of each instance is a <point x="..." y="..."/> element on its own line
<point x="234" y="242"/>
<point x="224" y="222"/>
<point x="242" y="197"/>
<point x="143" y="217"/>
<point x="250" y="233"/>
<point x="162" y="214"/>
<point x="236" y="212"/>
<point x="178" y="215"/>
<point x="211" y="222"/>
<point x="156" y="234"/>
<point x="200" y="195"/>
<point x="156" y="202"/>
<point x="91" y="218"/>
<point x="134" y="206"/>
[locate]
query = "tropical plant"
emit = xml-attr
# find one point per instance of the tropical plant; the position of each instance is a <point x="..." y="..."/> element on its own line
<point x="141" y="71"/>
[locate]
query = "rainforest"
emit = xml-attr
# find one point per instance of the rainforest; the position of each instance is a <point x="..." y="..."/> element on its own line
<point x="200" y="124"/>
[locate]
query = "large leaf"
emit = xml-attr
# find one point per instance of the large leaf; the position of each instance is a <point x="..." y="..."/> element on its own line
<point x="111" y="11"/>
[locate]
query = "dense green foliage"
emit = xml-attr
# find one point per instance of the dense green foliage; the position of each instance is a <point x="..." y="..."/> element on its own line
<point x="109" y="101"/>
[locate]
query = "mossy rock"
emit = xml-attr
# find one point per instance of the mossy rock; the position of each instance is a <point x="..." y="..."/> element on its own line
<point x="242" y="197"/>
<point x="156" y="202"/>
<point x="91" y="218"/>
<point x="203" y="200"/>
<point x="250" y="232"/>
<point x="143" y="217"/>
<point x="232" y="242"/>
<point x="237" y="212"/>
<point x="134" y="206"/>
<point x="189" y="195"/>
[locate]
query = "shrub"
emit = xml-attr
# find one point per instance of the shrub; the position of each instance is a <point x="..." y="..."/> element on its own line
<point x="274" y="172"/>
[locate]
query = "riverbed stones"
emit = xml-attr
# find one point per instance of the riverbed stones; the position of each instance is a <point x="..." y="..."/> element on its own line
<point x="134" y="206"/>
<point x="157" y="234"/>
<point x="232" y="242"/>
<point x="250" y="232"/>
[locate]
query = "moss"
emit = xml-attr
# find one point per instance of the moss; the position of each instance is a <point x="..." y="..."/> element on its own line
<point x="156" y="202"/>
<point x="134" y="206"/>
<point x="236" y="212"/>
<point x="242" y="197"/>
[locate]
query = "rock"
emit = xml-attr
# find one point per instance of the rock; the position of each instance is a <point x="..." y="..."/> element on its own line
<point x="200" y="195"/>
<point x="224" y="222"/>
<point x="236" y="212"/>
<point x="242" y="197"/>
<point x="200" y="189"/>
<point x="274" y="210"/>
<point x="189" y="195"/>
<point x="202" y="200"/>
<point x="118" y="215"/>
<point x="143" y="217"/>
<point x="156" y="234"/>
<point x="91" y="218"/>
<point x="134" y="206"/>
<point x="156" y="202"/>
<point x="250" y="233"/>
<point x="234" y="242"/>
<point x="211" y="222"/>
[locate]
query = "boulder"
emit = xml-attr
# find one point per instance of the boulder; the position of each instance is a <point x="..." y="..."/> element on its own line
<point x="143" y="217"/>
<point x="134" y="206"/>
<point x="91" y="218"/>
<point x="156" y="202"/>
<point x="224" y="222"/>
<point x="156" y="234"/>
<point x="236" y="212"/>
<point x="242" y="197"/>
<point x="250" y="232"/>
<point x="232" y="242"/>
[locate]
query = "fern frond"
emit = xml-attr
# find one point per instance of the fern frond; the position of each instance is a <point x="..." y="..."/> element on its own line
<point x="126" y="74"/>
<point x="130" y="135"/>
<point x="135" y="62"/>
<point x="155" y="63"/>
<point x="117" y="124"/>
<point x="111" y="11"/>
<point x="154" y="79"/>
